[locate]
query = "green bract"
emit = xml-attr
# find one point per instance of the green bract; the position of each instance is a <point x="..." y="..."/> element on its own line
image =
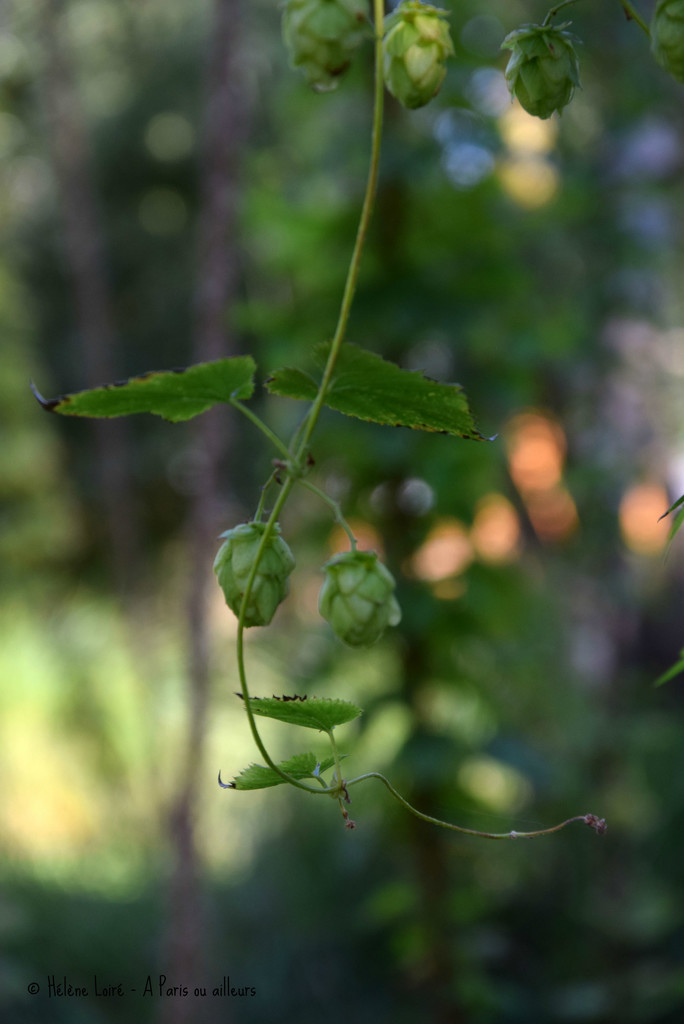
<point x="357" y="597"/>
<point x="415" y="46"/>
<point x="321" y="36"/>
<point x="233" y="565"/>
<point x="543" y="70"/>
<point x="667" y="36"/>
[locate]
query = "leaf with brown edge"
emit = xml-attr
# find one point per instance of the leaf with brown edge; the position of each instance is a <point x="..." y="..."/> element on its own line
<point x="175" y="395"/>
<point x="260" y="776"/>
<point x="368" y="387"/>
<point x="323" y="713"/>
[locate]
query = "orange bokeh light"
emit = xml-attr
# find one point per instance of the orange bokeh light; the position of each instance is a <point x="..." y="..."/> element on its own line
<point x="445" y="552"/>
<point x="367" y="538"/>
<point x="496" y="529"/>
<point x="536" y="451"/>
<point x="553" y="513"/>
<point x="640" y="510"/>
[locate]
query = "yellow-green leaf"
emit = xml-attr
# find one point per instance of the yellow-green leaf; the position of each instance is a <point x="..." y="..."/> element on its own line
<point x="321" y="713"/>
<point x="260" y="776"/>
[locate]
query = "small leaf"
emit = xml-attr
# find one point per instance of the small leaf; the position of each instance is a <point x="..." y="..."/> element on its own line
<point x="676" y="523"/>
<point x="673" y="506"/>
<point x="671" y="672"/>
<point x="678" y="519"/>
<point x="320" y="713"/>
<point x="260" y="776"/>
<point x="369" y="387"/>
<point x="174" y="395"/>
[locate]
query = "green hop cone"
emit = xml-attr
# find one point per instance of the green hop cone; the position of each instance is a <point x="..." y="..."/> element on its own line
<point x="667" y="36"/>
<point x="543" y="70"/>
<point x="357" y="597"/>
<point x="233" y="566"/>
<point x="321" y="36"/>
<point x="415" y="46"/>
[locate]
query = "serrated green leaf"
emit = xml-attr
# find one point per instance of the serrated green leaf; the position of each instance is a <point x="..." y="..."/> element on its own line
<point x="671" y="672"/>
<point x="293" y="383"/>
<point x="301" y="766"/>
<point x="321" y="713"/>
<point x="370" y="388"/>
<point x="174" y="395"/>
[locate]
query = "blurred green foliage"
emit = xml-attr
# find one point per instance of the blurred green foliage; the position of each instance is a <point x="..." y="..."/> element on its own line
<point x="543" y="273"/>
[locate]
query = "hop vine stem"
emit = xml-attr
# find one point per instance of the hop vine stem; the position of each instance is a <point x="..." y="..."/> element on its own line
<point x="306" y="430"/>
<point x="296" y="456"/>
<point x="633" y="15"/>
<point x="259" y="423"/>
<point x="554" y="10"/>
<point x="630" y="11"/>
<point x="592" y="820"/>
<point x="364" y="221"/>
<point x="334" y="505"/>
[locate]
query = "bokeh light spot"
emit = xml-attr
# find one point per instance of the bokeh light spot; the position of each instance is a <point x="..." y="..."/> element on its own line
<point x="642" y="530"/>
<point x="496" y="530"/>
<point x="529" y="180"/>
<point x="169" y="137"/>
<point x="536" y="450"/>
<point x="525" y="135"/>
<point x="163" y="212"/>
<point x="498" y="785"/>
<point x="445" y="552"/>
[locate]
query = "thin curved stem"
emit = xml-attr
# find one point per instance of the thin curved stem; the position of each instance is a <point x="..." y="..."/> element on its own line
<point x="262" y="499"/>
<point x="270" y="525"/>
<point x="554" y="10"/>
<point x="598" y="824"/>
<point x="334" y="505"/>
<point x="633" y="15"/>
<point x="253" y="418"/>
<point x="336" y="755"/>
<point x="353" y="272"/>
<point x="311" y="419"/>
<point x="628" y="7"/>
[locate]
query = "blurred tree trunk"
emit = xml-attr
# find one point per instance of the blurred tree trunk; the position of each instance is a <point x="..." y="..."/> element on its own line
<point x="434" y="968"/>
<point x="225" y="129"/>
<point x="87" y="266"/>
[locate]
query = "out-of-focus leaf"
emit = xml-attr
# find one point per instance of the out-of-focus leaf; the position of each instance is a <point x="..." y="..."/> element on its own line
<point x="369" y="387"/>
<point x="671" y="672"/>
<point x="260" y="776"/>
<point x="321" y="713"/>
<point x="676" y="523"/>
<point x="673" y="506"/>
<point x="678" y="519"/>
<point x="174" y="395"/>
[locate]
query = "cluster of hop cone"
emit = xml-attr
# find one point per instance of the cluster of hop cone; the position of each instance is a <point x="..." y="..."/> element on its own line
<point x="356" y="598"/>
<point x="322" y="35"/>
<point x="543" y="72"/>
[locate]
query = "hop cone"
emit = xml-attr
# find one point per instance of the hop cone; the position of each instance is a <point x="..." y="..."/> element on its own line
<point x="415" y="47"/>
<point x="543" y="70"/>
<point x="357" y="597"/>
<point x="667" y="36"/>
<point x="321" y="36"/>
<point x="233" y="565"/>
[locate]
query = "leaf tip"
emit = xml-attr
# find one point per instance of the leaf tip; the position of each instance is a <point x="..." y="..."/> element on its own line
<point x="49" y="404"/>
<point x="225" y="785"/>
